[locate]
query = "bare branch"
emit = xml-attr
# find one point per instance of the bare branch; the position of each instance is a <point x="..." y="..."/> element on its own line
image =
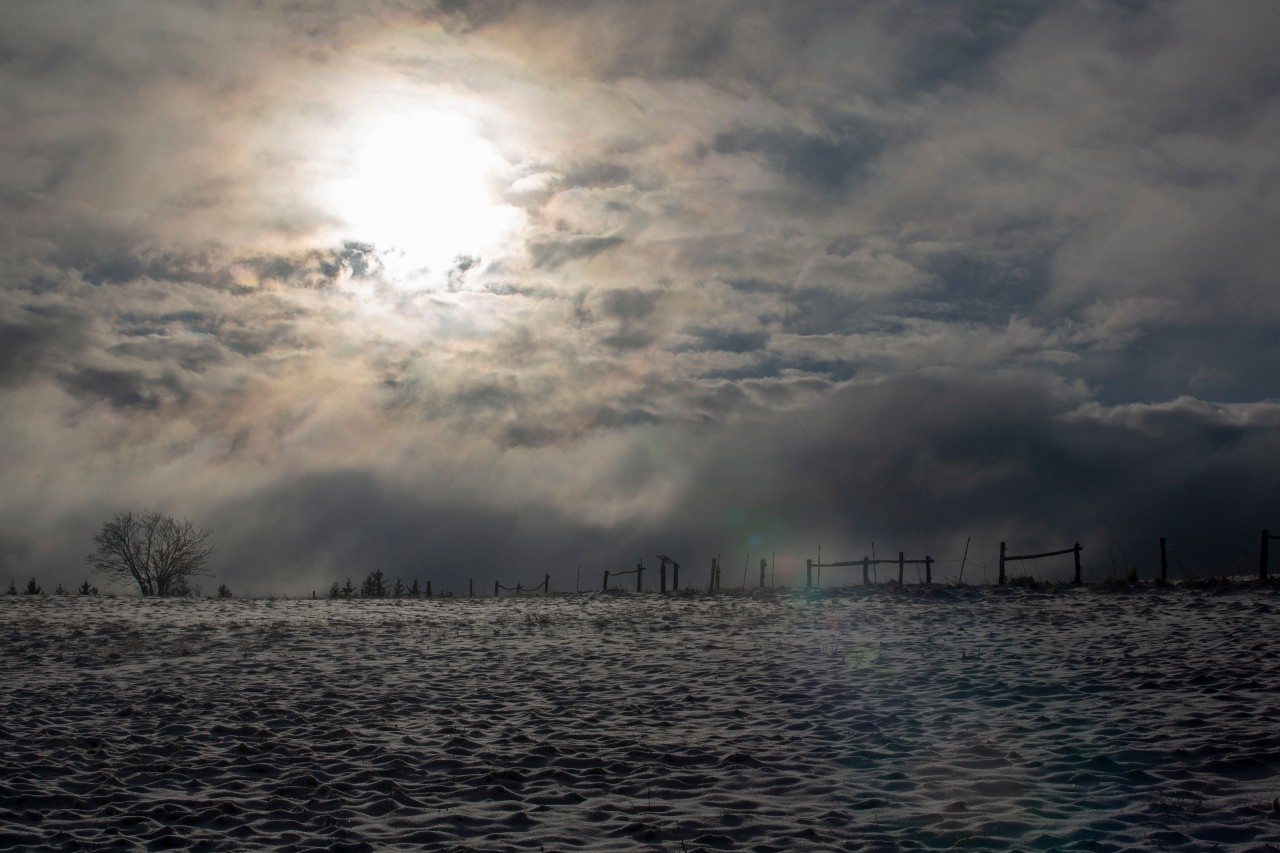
<point x="152" y="550"/>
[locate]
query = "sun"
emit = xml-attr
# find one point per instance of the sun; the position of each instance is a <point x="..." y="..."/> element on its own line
<point x="421" y="186"/>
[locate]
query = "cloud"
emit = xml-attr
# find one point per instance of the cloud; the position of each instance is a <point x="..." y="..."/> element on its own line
<point x="777" y="273"/>
<point x="552" y="254"/>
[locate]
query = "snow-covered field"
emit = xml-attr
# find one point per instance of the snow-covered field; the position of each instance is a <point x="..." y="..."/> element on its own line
<point x="985" y="719"/>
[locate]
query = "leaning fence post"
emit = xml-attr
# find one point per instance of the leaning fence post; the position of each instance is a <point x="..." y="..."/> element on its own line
<point x="605" y="588"/>
<point x="1077" y="553"/>
<point x="1262" y="556"/>
<point x="808" y="573"/>
<point x="495" y="589"/>
<point x="901" y="564"/>
<point x="1164" y="561"/>
<point x="1001" y="564"/>
<point x="928" y="570"/>
<point x="546" y="585"/>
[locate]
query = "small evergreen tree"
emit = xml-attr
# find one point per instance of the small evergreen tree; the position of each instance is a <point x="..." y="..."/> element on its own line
<point x="13" y="590"/>
<point x="335" y="591"/>
<point x="33" y="588"/>
<point x="399" y="589"/>
<point x="374" y="586"/>
<point x="415" y="591"/>
<point x="348" y="591"/>
<point x="61" y="590"/>
<point x="87" y="589"/>
<point x="224" y="591"/>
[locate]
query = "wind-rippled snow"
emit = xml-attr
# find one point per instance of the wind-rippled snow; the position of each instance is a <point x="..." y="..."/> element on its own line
<point x="881" y="719"/>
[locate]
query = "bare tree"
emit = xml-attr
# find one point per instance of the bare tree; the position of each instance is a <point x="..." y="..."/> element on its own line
<point x="152" y="550"/>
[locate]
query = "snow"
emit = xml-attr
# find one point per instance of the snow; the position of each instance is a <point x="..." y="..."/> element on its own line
<point x="880" y="719"/>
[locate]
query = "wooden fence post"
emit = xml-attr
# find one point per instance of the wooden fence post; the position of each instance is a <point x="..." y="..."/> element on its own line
<point x="605" y="588"/>
<point x="1164" y="561"/>
<point x="901" y="567"/>
<point x="662" y="576"/>
<point x="865" y="564"/>
<point x="471" y="588"/>
<point x="546" y="585"/>
<point x="928" y="570"/>
<point x="640" y="577"/>
<point x="1262" y="556"/>
<point x="1077" y="553"/>
<point x="764" y="564"/>
<point x="495" y="589"/>
<point x="675" y="576"/>
<point x="428" y="589"/>
<point x="808" y="573"/>
<point x="1002" y="564"/>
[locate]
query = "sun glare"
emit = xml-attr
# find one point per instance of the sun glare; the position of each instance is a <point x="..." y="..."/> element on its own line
<point x="419" y="185"/>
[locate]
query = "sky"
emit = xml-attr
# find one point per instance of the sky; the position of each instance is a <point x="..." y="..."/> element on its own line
<point x="486" y="290"/>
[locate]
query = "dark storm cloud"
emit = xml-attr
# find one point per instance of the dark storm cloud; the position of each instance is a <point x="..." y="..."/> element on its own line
<point x="828" y="163"/>
<point x="330" y="526"/>
<point x="31" y="340"/>
<point x="933" y="459"/>
<point x="1217" y="361"/>
<point x="730" y="340"/>
<point x="124" y="388"/>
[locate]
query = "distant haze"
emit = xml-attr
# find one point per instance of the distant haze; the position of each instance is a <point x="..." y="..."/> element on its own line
<point x="490" y="289"/>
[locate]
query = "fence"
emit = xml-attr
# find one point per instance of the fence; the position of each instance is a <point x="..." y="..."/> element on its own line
<point x="545" y="586"/>
<point x="1075" y="549"/>
<point x="638" y="571"/>
<point x="1264" y="553"/>
<point x="662" y="573"/>
<point x="866" y="563"/>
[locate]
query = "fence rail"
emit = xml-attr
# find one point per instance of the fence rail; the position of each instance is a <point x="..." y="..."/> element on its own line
<point x="545" y="586"/>
<point x="638" y="571"/>
<point x="867" y="563"/>
<point x="1075" y="549"/>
